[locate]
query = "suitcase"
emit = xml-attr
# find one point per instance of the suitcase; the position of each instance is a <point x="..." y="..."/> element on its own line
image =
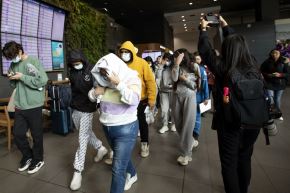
<point x="59" y="116"/>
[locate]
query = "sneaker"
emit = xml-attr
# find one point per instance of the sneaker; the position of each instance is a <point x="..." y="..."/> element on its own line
<point x="281" y="119"/>
<point x="194" y="143"/>
<point x="144" y="149"/>
<point x="76" y="181"/>
<point x="183" y="160"/>
<point x="35" y="166"/>
<point x="130" y="181"/>
<point x="163" y="129"/>
<point x="109" y="160"/>
<point x="24" y="164"/>
<point x="102" y="151"/>
<point x="173" y="128"/>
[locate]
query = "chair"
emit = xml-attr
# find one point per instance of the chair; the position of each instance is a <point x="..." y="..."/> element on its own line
<point x="6" y="124"/>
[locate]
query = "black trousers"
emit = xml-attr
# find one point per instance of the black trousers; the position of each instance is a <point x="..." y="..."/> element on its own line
<point x="24" y="120"/>
<point x="143" y="126"/>
<point x="236" y="149"/>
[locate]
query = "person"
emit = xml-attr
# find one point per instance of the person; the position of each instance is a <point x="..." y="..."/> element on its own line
<point x="185" y="77"/>
<point x="83" y="111"/>
<point x="202" y="96"/>
<point x="150" y="62"/>
<point x="128" y="54"/>
<point x="120" y="88"/>
<point x="275" y="72"/>
<point x="27" y="75"/>
<point x="235" y="145"/>
<point x="166" y="92"/>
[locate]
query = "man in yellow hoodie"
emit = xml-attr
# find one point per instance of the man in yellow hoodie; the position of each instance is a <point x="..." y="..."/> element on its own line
<point x="128" y="53"/>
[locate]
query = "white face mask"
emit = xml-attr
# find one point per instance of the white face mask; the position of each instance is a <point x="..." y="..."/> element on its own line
<point x="78" y="66"/>
<point x="167" y="63"/>
<point x="16" y="59"/>
<point x="126" y="57"/>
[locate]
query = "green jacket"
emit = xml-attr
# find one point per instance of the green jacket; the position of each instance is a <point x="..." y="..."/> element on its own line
<point x="30" y="91"/>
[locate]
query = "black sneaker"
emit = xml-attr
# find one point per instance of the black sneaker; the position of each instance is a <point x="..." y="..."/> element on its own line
<point x="24" y="164"/>
<point x="35" y="166"/>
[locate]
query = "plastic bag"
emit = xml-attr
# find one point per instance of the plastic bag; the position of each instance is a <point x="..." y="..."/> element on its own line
<point x="149" y="115"/>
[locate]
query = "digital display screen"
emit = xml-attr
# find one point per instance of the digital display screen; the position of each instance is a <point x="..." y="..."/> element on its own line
<point x="36" y="26"/>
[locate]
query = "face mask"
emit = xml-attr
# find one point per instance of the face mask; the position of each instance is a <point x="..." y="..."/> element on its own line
<point x="126" y="57"/>
<point x="16" y="59"/>
<point x="78" y="66"/>
<point x="167" y="63"/>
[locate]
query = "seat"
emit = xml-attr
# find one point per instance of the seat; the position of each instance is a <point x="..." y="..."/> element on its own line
<point x="6" y="124"/>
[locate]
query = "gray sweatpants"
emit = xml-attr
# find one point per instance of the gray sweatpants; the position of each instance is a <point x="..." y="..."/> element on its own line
<point x="166" y="99"/>
<point x="84" y="122"/>
<point x="184" y="110"/>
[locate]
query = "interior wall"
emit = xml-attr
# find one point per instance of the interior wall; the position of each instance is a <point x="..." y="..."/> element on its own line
<point x="187" y="40"/>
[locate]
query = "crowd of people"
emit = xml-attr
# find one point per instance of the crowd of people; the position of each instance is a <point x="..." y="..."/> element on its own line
<point x="124" y="85"/>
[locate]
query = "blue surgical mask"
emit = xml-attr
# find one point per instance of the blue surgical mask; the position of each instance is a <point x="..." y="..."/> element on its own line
<point x="16" y="59"/>
<point x="78" y="66"/>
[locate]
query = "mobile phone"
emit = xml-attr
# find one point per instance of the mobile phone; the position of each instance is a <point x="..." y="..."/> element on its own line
<point x="10" y="73"/>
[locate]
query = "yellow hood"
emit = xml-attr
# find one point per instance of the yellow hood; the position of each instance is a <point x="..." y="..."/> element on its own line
<point x="129" y="46"/>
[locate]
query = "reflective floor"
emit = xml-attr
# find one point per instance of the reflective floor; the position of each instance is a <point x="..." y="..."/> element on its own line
<point x="159" y="173"/>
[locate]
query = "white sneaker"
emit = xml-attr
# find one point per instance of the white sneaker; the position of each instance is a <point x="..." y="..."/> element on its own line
<point x="109" y="160"/>
<point x="173" y="128"/>
<point x="163" y="129"/>
<point x="281" y="119"/>
<point x="194" y="144"/>
<point x="76" y="181"/>
<point x="183" y="160"/>
<point x="144" y="149"/>
<point x="102" y="151"/>
<point x="130" y="181"/>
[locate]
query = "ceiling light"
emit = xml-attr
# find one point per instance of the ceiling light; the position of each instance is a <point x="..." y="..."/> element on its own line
<point x="215" y="0"/>
<point x="190" y="3"/>
<point x="184" y="24"/>
<point x="183" y="20"/>
<point x="182" y="16"/>
<point x="202" y="14"/>
<point x="185" y="27"/>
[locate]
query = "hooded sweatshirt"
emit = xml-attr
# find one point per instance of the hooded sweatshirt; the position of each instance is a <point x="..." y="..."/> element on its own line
<point x="144" y="72"/>
<point x="81" y="82"/>
<point x="118" y="105"/>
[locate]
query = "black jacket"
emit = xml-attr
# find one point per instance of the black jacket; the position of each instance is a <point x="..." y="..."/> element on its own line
<point x="269" y="67"/>
<point x="81" y="83"/>
<point x="214" y="63"/>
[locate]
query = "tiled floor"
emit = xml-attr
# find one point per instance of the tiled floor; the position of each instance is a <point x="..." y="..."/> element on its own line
<point x="159" y="173"/>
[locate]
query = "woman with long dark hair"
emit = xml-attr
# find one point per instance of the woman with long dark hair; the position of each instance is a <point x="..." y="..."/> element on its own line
<point x="235" y="144"/>
<point x="185" y="75"/>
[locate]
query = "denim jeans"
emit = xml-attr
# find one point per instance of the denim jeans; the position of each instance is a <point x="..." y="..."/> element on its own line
<point x="275" y="96"/>
<point x="122" y="140"/>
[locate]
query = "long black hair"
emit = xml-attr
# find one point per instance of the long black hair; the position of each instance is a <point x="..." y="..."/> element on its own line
<point x="236" y="55"/>
<point x="186" y="61"/>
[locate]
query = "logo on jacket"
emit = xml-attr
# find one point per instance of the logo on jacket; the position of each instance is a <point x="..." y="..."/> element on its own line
<point x="87" y="77"/>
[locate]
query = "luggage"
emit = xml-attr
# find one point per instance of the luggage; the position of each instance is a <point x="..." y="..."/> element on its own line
<point x="61" y="118"/>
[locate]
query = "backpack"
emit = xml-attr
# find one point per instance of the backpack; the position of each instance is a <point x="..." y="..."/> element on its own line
<point x="248" y="106"/>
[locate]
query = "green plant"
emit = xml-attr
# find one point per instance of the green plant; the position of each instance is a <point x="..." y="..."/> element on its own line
<point x="85" y="28"/>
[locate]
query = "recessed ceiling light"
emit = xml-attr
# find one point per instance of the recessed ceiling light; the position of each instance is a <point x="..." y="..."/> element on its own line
<point x="185" y="27"/>
<point x="202" y="14"/>
<point x="215" y="0"/>
<point x="190" y="3"/>
<point x="183" y="20"/>
<point x="184" y="24"/>
<point x="182" y="16"/>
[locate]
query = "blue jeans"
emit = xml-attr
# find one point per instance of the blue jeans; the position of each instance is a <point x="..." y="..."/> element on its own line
<point x="122" y="140"/>
<point x="275" y="96"/>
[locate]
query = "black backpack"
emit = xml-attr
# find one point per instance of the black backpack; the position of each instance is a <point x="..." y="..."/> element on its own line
<point x="248" y="105"/>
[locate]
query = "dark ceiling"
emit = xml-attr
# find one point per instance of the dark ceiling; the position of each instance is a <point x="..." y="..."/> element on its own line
<point x="124" y="11"/>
